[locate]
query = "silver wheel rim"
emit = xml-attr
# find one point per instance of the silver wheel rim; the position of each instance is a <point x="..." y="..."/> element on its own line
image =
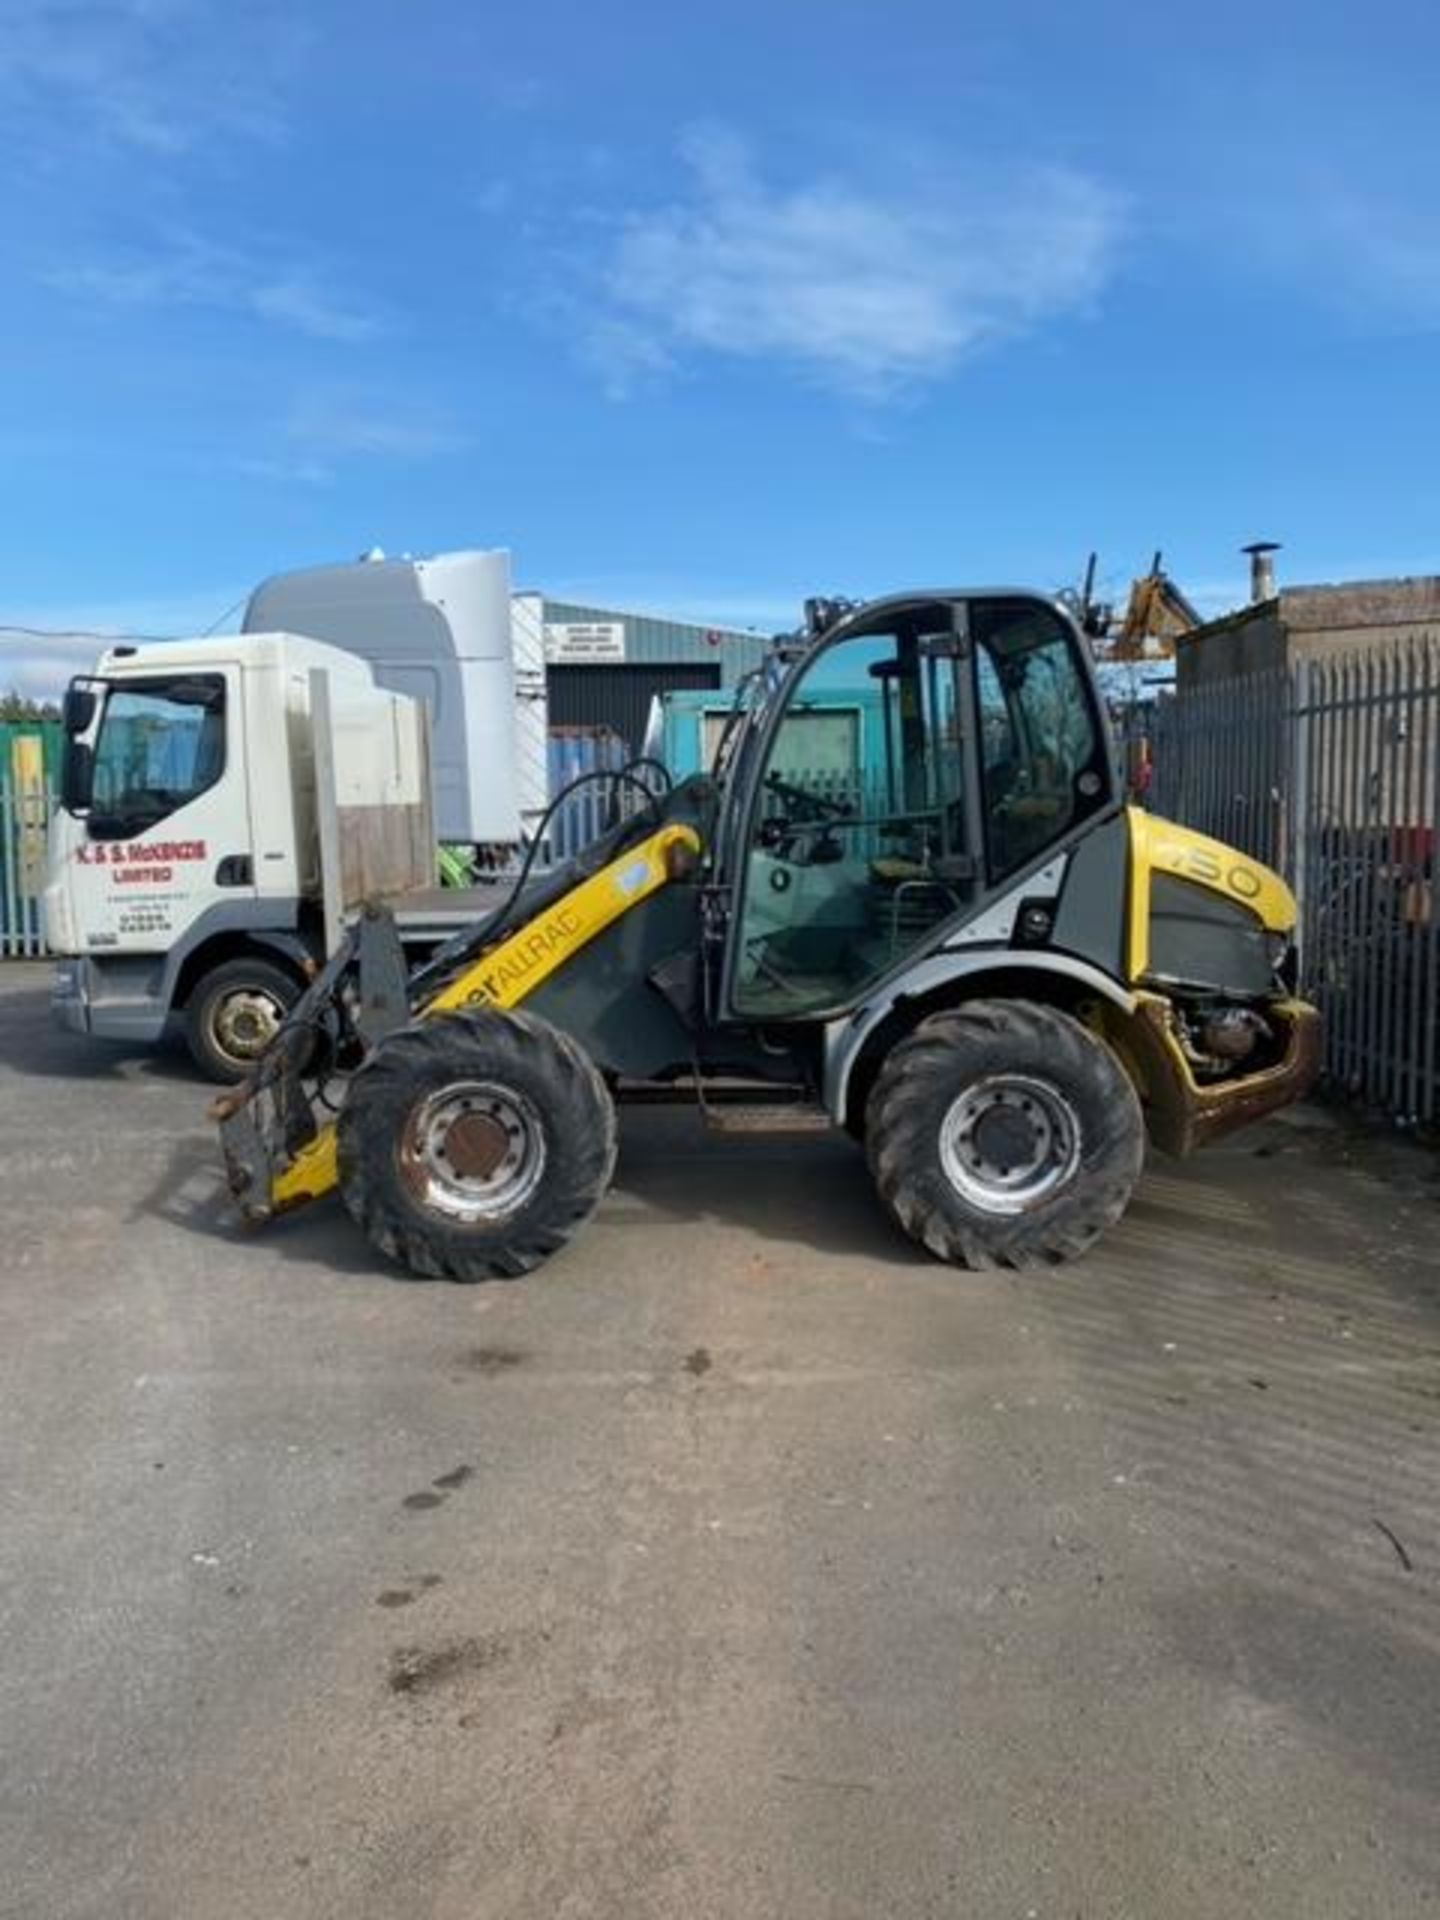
<point x="244" y="1022"/>
<point x="1009" y="1142"/>
<point x="473" y="1151"/>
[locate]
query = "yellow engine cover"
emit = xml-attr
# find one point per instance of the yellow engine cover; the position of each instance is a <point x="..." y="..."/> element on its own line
<point x="1159" y="846"/>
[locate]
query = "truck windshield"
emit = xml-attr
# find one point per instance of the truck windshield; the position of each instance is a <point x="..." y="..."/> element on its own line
<point x="160" y="743"/>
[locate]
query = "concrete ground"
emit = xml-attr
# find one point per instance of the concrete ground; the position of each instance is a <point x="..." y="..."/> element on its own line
<point x="742" y="1563"/>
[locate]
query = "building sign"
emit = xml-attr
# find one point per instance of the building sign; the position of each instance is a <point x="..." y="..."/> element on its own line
<point x="577" y="641"/>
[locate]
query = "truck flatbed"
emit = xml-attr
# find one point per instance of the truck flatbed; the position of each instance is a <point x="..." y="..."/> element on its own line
<point x="433" y="912"/>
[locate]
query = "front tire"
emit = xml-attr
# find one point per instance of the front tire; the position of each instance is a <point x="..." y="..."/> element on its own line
<point x="472" y="1146"/>
<point x="233" y="1013"/>
<point x="1004" y="1133"/>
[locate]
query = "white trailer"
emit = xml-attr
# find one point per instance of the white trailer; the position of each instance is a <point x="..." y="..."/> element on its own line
<point x="226" y="802"/>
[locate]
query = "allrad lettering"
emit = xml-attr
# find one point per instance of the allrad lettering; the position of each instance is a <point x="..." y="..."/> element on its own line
<point x="518" y="958"/>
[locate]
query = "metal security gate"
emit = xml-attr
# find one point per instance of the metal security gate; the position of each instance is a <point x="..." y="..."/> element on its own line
<point x="1365" y="810"/>
<point x="1329" y="770"/>
<point x="25" y="809"/>
<point x="590" y="754"/>
<point x="1221" y="759"/>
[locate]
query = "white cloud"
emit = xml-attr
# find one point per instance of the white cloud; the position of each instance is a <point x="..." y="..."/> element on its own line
<point x="295" y="302"/>
<point x="38" y="665"/>
<point x="309" y="473"/>
<point x="42" y="646"/>
<point x="869" y="289"/>
<point x="157" y="77"/>
<point x="183" y="271"/>
<point x="1382" y="259"/>
<point x="324" y="432"/>
<point x="322" y="427"/>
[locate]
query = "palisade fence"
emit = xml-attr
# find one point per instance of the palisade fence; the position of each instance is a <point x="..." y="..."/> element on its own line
<point x="1329" y="771"/>
<point x="581" y="817"/>
<point x="25" y="809"/>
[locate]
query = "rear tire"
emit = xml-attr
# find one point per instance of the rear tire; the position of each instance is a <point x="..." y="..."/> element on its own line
<point x="471" y="1146"/>
<point x="1004" y="1133"/>
<point x="233" y="1013"/>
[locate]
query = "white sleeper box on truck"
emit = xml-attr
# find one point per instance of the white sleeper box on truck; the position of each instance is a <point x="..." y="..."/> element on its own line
<point x="448" y="631"/>
<point x="226" y="801"/>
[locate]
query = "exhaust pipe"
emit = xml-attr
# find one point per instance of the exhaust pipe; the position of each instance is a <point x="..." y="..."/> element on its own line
<point x="1262" y="569"/>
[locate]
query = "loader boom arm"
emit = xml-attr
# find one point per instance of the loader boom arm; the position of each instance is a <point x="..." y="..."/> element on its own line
<point x="502" y="976"/>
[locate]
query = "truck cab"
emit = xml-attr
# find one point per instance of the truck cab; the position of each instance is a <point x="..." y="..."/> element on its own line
<point x="185" y="863"/>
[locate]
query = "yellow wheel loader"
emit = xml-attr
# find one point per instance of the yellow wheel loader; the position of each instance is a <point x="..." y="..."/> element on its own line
<point x="908" y="902"/>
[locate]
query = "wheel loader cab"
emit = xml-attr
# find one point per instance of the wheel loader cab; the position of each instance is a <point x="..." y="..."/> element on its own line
<point x="916" y="761"/>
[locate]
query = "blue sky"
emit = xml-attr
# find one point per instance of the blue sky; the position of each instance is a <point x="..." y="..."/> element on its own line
<point x="704" y="309"/>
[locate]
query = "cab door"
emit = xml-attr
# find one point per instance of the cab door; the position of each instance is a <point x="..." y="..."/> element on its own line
<point x="861" y="836"/>
<point x="165" y="834"/>
<point x="979" y="748"/>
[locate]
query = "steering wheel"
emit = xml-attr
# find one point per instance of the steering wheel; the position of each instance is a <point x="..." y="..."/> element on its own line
<point x="804" y="804"/>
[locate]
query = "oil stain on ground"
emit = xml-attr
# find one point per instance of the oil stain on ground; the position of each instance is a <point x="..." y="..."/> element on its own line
<point x="423" y="1501"/>
<point x="403" y="1596"/>
<point x="420" y="1670"/>
<point x="492" y="1359"/>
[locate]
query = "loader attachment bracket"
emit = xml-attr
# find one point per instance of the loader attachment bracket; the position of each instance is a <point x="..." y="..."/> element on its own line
<point x="384" y="999"/>
<point x="279" y="1149"/>
<point x="269" y="1119"/>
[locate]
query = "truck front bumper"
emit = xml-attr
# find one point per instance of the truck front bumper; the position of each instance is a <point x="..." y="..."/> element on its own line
<point x="1184" y="1113"/>
<point x="116" y="998"/>
<point x="69" y="996"/>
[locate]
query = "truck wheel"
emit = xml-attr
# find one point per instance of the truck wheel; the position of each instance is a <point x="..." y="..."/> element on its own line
<point x="1003" y="1133"/>
<point x="471" y="1146"/>
<point x="234" y="1013"/>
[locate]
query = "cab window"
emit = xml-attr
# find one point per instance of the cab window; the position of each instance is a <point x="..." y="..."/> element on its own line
<point x="160" y="744"/>
<point x="857" y="847"/>
<point x="1042" y="757"/>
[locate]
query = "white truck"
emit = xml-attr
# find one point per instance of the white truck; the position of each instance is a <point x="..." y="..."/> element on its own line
<point x="225" y="802"/>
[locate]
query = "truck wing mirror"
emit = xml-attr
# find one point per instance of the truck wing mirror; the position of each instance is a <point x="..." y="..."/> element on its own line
<point x="77" y="776"/>
<point x="78" y="710"/>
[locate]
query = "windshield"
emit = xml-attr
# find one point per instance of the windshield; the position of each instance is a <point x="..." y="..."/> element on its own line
<point x="160" y="744"/>
<point x="858" y="847"/>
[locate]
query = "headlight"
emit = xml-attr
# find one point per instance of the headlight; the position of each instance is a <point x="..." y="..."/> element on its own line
<point x="1284" y="959"/>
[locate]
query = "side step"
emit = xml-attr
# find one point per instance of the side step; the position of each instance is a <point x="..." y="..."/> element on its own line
<point x="730" y="1104"/>
<point x="775" y="1116"/>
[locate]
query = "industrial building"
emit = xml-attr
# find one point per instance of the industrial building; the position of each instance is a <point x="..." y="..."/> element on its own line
<point x="1283" y="626"/>
<point x="605" y="665"/>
